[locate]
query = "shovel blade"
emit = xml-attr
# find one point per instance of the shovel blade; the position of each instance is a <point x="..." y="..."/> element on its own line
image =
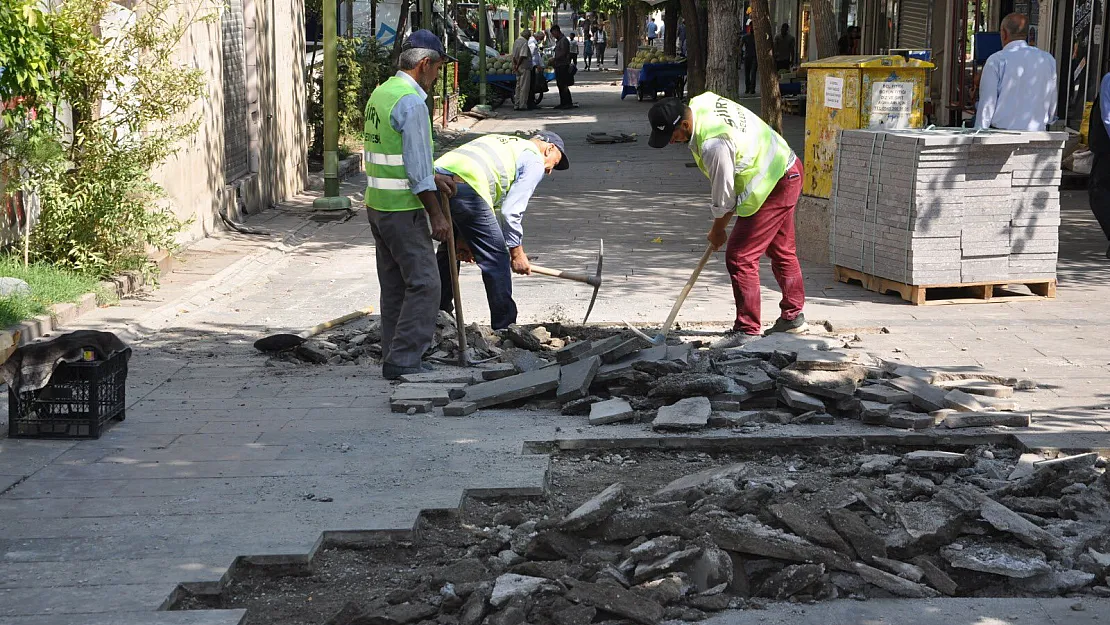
<point x="278" y="342"/>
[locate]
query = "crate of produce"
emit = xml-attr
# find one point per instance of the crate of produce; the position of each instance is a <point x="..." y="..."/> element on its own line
<point x="80" y="399"/>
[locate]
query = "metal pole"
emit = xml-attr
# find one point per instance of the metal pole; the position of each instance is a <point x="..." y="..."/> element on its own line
<point x="331" y="199"/>
<point x="483" y="38"/>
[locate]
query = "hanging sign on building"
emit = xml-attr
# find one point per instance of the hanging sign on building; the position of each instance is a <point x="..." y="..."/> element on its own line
<point x="834" y="92"/>
<point x="891" y="104"/>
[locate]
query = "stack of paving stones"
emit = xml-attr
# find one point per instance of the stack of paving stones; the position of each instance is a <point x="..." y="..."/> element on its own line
<point x="681" y="387"/>
<point x="923" y="524"/>
<point x="947" y="207"/>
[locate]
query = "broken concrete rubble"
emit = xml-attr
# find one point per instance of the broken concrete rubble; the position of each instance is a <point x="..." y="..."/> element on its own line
<point x="575" y="379"/>
<point x="596" y="510"/>
<point x="611" y="411"/>
<point x="923" y="395"/>
<point x="997" y="559"/>
<point x="687" y="414"/>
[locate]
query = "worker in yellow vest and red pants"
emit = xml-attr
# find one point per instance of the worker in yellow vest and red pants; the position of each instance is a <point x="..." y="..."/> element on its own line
<point x="402" y="202"/>
<point x="754" y="174"/>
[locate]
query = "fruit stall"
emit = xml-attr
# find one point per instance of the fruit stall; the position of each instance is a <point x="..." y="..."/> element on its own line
<point x="502" y="80"/>
<point x="651" y="72"/>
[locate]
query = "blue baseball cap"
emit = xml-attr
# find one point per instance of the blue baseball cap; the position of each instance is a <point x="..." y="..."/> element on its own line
<point x="426" y="39"/>
<point x="556" y="141"/>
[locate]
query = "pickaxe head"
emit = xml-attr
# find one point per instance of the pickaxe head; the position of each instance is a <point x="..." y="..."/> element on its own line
<point x="595" y="281"/>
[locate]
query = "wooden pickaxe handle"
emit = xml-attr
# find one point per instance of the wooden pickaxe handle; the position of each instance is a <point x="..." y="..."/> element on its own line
<point x="567" y="275"/>
<point x="686" y="290"/>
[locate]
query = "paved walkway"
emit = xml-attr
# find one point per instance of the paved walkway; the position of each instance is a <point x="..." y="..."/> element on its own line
<point x="220" y="454"/>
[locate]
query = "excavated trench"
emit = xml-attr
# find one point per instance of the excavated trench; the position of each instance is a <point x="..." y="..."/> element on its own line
<point x="644" y="536"/>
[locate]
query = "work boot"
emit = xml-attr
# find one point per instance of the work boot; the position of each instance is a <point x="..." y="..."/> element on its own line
<point x="734" y="338"/>
<point x="392" y="372"/>
<point x="791" y="326"/>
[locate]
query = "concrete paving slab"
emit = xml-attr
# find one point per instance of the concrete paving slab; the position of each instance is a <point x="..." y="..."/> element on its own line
<point x="205" y="617"/>
<point x="946" y="611"/>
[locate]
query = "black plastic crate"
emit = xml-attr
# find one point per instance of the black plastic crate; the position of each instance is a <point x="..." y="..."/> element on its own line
<point x="79" y="400"/>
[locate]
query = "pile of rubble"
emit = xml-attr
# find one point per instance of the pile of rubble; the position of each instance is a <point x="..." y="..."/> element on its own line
<point x="917" y="525"/>
<point x="615" y="376"/>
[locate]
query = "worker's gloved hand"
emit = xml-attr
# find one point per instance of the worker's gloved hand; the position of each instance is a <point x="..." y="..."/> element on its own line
<point x="520" y="261"/>
<point x="446" y="185"/>
<point x="717" y="237"/>
<point x="463" y="251"/>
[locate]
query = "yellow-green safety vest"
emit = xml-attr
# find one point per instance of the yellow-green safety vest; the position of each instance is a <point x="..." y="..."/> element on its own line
<point x="762" y="155"/>
<point x="387" y="185"/>
<point x="488" y="164"/>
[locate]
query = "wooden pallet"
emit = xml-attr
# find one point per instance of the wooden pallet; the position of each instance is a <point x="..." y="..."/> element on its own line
<point x="961" y="293"/>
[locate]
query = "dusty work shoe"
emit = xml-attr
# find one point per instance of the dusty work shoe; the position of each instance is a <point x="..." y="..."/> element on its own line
<point x="792" y="326"/>
<point x="734" y="339"/>
<point x="427" y="366"/>
<point x="392" y="372"/>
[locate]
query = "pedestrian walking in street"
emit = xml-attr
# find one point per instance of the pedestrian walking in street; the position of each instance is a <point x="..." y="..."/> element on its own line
<point x="573" y="51"/>
<point x="1098" y="183"/>
<point x="753" y="173"/>
<point x="1017" y="89"/>
<point x="522" y="67"/>
<point x="587" y="48"/>
<point x="682" y="37"/>
<point x="785" y="49"/>
<point x="747" y="53"/>
<point x="496" y="176"/>
<point x="539" y="81"/>
<point x="402" y="200"/>
<point x="652" y="31"/>
<point x="561" y="60"/>
<point x="599" y="46"/>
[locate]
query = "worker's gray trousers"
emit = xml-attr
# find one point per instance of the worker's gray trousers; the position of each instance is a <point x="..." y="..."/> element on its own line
<point x="409" y="280"/>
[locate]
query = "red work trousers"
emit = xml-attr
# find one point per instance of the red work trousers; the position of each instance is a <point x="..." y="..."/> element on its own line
<point x="769" y="231"/>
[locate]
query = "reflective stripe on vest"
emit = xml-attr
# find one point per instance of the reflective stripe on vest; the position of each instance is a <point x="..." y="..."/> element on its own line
<point x="387" y="184"/>
<point x="762" y="155"/>
<point x="488" y="164"/>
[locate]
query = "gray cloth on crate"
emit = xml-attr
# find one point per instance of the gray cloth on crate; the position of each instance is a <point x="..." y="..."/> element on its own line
<point x="29" y="368"/>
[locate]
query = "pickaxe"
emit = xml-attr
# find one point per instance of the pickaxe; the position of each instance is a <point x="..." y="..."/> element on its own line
<point x="594" y="280"/>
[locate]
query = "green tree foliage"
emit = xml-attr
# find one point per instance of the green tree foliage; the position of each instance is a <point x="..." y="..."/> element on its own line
<point x="122" y="105"/>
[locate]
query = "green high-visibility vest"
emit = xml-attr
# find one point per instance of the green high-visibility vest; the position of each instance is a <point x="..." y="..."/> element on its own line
<point x="488" y="164"/>
<point x="762" y="155"/>
<point x="387" y="185"/>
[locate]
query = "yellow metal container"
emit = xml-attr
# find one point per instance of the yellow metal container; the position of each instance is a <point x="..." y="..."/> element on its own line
<point x="852" y="92"/>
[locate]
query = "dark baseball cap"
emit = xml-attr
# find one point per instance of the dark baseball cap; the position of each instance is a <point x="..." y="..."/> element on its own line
<point x="556" y="141"/>
<point x="426" y="39"/>
<point x="664" y="117"/>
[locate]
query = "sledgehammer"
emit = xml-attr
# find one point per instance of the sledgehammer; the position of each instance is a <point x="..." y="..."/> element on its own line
<point x="594" y="280"/>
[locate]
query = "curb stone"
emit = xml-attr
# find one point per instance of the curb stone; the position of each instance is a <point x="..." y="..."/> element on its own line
<point x="65" y="313"/>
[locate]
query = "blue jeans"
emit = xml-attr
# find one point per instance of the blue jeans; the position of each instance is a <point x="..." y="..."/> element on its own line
<point x="476" y="224"/>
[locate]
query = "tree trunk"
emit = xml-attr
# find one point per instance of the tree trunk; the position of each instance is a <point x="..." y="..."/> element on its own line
<point x="768" y="75"/>
<point x="402" y="23"/>
<point x="722" y="69"/>
<point x="696" y="51"/>
<point x="670" y="28"/>
<point x="824" y="28"/>
<point x="631" y="23"/>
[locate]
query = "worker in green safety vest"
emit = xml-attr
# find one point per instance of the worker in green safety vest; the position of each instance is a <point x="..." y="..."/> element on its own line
<point x="755" y="175"/>
<point x="402" y="201"/>
<point x="496" y="176"/>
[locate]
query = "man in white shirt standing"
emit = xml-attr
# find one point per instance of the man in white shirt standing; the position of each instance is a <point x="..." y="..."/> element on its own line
<point x="1017" y="90"/>
<point x="522" y="66"/>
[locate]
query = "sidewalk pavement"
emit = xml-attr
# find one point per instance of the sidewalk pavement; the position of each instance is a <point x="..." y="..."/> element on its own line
<point x="222" y="456"/>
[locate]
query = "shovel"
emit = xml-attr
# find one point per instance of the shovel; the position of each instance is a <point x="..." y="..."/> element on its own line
<point x="284" y="341"/>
